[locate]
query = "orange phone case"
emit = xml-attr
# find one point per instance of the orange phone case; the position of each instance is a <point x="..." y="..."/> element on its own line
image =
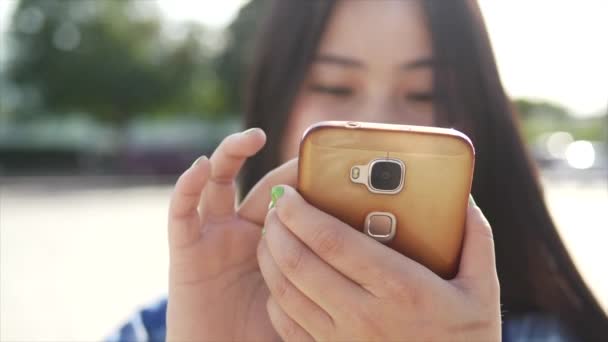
<point x="430" y="209"/>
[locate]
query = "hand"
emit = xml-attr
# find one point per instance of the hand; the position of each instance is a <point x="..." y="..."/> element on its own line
<point x="216" y="291"/>
<point x="330" y="282"/>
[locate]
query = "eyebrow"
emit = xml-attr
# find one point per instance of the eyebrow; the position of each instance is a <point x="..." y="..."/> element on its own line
<point x="426" y="62"/>
<point x="338" y="60"/>
<point x="347" y="62"/>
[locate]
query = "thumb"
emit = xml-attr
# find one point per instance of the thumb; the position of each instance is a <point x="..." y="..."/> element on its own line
<point x="477" y="261"/>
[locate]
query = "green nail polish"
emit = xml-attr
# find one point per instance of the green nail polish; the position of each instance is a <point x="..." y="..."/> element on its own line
<point x="275" y="194"/>
<point x="263" y="230"/>
<point x="472" y="201"/>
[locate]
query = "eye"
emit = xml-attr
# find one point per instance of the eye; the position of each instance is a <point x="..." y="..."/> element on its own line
<point x="332" y="90"/>
<point x="420" y="96"/>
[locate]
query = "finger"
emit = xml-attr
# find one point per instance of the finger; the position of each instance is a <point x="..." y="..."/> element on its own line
<point x="363" y="260"/>
<point x="219" y="197"/>
<point x="184" y="222"/>
<point x="478" y="261"/>
<point x="311" y="275"/>
<point x="255" y="205"/>
<point x="300" y="308"/>
<point x="286" y="327"/>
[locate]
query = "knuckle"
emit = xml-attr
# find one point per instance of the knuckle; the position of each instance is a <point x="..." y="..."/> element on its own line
<point x="293" y="259"/>
<point x="328" y="242"/>
<point x="369" y="323"/>
<point x="228" y="183"/>
<point x="289" y="329"/>
<point x="404" y="291"/>
<point x="281" y="288"/>
<point x="284" y="326"/>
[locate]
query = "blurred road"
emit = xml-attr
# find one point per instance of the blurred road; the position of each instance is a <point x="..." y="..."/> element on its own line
<point x="76" y="261"/>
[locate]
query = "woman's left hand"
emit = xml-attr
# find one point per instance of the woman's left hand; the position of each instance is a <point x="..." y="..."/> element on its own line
<point x="330" y="282"/>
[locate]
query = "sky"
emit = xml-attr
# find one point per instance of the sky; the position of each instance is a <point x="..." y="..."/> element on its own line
<point x="545" y="49"/>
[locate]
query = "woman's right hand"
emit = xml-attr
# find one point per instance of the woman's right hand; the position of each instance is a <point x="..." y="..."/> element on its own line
<point x="216" y="291"/>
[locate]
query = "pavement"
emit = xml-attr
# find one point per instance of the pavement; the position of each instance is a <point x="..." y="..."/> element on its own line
<point x="76" y="260"/>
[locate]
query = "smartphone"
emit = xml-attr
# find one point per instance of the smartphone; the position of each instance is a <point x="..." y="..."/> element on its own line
<point x="404" y="186"/>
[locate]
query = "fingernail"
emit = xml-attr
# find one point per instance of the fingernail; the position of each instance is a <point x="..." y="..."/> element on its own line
<point x="276" y="193"/>
<point x="263" y="230"/>
<point x="472" y="201"/>
<point x="251" y="130"/>
<point x="198" y="160"/>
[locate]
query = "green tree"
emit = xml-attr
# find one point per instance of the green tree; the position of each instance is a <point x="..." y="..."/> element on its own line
<point x="540" y="117"/>
<point x="531" y="108"/>
<point x="107" y="58"/>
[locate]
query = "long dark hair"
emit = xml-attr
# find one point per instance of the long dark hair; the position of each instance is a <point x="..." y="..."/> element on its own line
<point x="535" y="271"/>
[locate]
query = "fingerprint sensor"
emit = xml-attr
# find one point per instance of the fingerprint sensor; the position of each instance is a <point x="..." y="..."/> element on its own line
<point x="380" y="226"/>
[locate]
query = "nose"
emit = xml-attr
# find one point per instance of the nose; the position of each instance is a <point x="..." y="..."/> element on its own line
<point x="386" y="106"/>
<point x="380" y="108"/>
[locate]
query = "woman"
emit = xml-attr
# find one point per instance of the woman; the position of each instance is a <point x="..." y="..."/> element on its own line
<point x="412" y="62"/>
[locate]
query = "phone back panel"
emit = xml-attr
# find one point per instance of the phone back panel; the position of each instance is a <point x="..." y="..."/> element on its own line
<point x="430" y="210"/>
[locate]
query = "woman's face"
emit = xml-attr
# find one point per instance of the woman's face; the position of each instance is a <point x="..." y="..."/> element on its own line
<point x="374" y="63"/>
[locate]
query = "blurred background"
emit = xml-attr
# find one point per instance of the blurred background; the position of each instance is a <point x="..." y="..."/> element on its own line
<point x="103" y="103"/>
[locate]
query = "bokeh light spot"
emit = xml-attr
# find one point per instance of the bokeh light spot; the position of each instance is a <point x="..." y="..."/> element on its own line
<point x="580" y="154"/>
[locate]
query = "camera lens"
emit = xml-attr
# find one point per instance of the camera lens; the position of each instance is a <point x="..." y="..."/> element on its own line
<point x="386" y="175"/>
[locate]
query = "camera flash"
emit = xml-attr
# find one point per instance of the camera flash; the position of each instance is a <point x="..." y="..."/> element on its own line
<point x="355" y="173"/>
